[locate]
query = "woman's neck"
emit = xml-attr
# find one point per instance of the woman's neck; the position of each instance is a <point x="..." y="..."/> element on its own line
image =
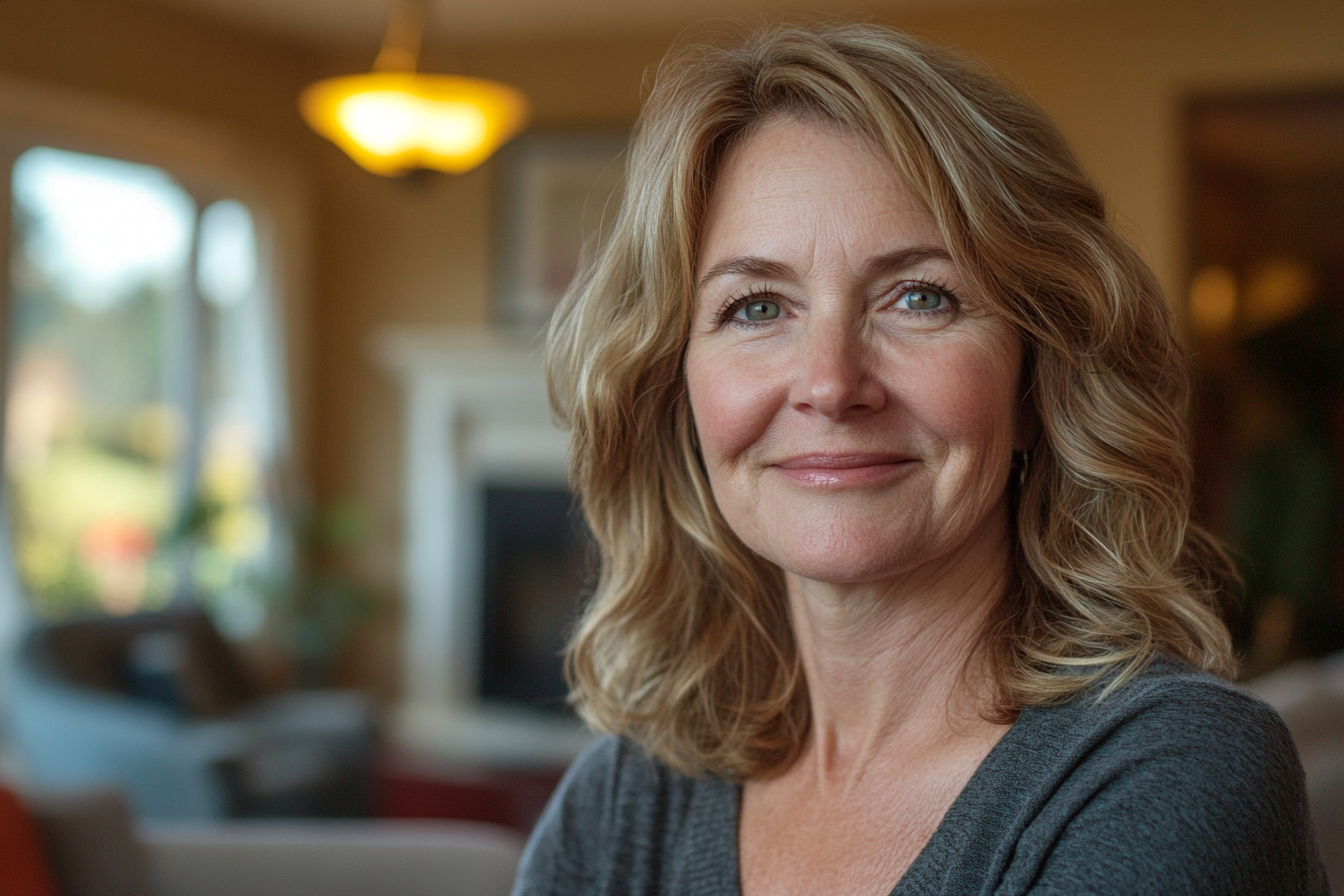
<point x="897" y="665"/>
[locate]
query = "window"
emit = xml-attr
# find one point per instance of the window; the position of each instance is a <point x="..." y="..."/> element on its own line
<point x="145" y="415"/>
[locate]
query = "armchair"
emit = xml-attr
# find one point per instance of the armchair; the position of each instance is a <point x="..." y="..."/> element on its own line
<point x="159" y="705"/>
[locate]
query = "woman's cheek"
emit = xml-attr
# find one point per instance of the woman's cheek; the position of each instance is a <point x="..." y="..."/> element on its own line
<point x="732" y="402"/>
<point x="981" y="398"/>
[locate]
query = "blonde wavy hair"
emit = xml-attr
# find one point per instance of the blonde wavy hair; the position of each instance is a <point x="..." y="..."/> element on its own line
<point x="685" y="646"/>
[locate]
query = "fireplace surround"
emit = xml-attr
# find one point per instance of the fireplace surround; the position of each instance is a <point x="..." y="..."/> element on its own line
<point x="476" y="423"/>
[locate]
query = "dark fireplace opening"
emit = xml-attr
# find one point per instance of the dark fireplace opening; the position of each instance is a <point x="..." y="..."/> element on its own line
<point x="540" y="564"/>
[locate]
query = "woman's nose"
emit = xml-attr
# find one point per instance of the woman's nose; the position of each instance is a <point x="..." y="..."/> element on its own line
<point x="835" y="375"/>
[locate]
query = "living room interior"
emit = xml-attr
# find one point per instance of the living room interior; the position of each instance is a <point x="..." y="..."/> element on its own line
<point x="331" y="468"/>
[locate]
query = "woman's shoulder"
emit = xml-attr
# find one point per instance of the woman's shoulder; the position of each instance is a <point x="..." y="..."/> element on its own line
<point x="616" y="782"/>
<point x="1169" y="703"/>
<point x="1175" y="736"/>
<point x="612" y="773"/>
<point x="1175" y="776"/>
<point x="620" y="820"/>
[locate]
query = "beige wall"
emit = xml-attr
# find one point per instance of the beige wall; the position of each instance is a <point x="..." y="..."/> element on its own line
<point x="418" y="251"/>
<point x="1115" y="75"/>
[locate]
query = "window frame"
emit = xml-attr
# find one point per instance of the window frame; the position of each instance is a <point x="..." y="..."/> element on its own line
<point x="211" y="163"/>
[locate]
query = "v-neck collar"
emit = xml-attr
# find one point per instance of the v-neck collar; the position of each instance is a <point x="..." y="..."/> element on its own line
<point x="974" y="812"/>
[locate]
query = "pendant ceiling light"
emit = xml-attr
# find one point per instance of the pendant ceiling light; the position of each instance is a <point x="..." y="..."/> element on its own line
<point x="395" y="120"/>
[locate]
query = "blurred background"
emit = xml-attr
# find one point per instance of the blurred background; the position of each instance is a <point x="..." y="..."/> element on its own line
<point x="279" y="477"/>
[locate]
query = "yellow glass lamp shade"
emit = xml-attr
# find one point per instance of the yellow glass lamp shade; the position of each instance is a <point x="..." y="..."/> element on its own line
<point x="393" y="122"/>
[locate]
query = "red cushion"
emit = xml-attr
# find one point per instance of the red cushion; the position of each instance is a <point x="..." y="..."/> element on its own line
<point x="24" y="869"/>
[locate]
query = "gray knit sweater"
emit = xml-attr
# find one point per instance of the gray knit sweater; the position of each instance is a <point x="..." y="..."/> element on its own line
<point x="1177" y="784"/>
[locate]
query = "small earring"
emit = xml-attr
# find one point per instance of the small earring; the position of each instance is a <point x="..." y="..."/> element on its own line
<point x="1022" y="470"/>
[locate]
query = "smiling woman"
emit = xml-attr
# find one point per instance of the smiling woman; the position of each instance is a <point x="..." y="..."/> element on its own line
<point x="878" y="426"/>
<point x="837" y="367"/>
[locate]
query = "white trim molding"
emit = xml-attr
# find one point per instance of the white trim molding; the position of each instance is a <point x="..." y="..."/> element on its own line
<point x="475" y="412"/>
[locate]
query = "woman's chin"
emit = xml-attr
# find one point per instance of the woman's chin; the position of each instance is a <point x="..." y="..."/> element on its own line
<point x="843" y="578"/>
<point x="869" y="554"/>
<point x="850" y="567"/>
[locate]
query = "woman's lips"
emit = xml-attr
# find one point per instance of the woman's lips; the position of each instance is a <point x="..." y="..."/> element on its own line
<point x="841" y="469"/>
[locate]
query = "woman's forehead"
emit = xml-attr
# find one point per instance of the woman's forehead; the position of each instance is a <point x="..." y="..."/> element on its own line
<point x="795" y="187"/>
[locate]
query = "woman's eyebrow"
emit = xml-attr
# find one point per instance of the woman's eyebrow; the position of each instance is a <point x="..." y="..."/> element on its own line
<point x="903" y="258"/>
<point x="748" y="265"/>
<point x="756" y="266"/>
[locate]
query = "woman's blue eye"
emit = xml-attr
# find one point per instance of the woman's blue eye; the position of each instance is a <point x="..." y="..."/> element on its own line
<point x="922" y="299"/>
<point x="759" y="310"/>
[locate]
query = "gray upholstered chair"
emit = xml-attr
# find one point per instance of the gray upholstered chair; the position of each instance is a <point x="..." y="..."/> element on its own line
<point x="1310" y="696"/>
<point x="159" y="706"/>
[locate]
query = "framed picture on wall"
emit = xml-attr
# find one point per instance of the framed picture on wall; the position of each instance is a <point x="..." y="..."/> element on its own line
<point x="556" y="192"/>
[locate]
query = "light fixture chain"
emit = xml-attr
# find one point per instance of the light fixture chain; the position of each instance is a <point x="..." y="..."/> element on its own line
<point x="401" y="41"/>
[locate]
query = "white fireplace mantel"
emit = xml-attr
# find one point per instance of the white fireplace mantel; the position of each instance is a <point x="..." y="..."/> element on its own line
<point x="475" y="411"/>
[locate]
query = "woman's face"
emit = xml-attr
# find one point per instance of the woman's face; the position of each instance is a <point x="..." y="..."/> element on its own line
<point x="856" y="405"/>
